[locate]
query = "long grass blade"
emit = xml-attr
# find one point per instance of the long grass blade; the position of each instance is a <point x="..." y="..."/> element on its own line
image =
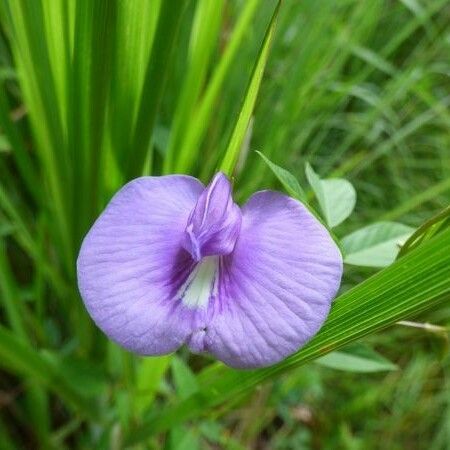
<point x="189" y="151"/>
<point x="88" y="86"/>
<point x="153" y="89"/>
<point x="136" y="24"/>
<point x="203" y="39"/>
<point x="238" y="135"/>
<point x="32" y="57"/>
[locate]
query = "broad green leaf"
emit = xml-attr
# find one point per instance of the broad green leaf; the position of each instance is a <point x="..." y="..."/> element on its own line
<point x="415" y="283"/>
<point x="288" y="180"/>
<point x="376" y="245"/>
<point x="240" y="129"/>
<point x="357" y="358"/>
<point x="336" y="196"/>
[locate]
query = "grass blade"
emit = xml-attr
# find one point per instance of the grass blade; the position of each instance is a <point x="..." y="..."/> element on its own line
<point x="358" y="359"/>
<point x="154" y="83"/>
<point x="20" y="153"/>
<point x="19" y="358"/>
<point x="88" y="87"/>
<point x="189" y="152"/>
<point x="10" y="300"/>
<point x="240" y="129"/>
<point x="136" y="23"/>
<point x="204" y="36"/>
<point x="37" y="81"/>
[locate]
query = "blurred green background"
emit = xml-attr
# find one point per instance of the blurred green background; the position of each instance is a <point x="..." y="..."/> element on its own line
<point x="97" y="92"/>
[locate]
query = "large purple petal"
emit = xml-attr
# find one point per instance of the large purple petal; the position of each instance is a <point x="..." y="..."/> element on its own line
<point x="132" y="264"/>
<point x="276" y="288"/>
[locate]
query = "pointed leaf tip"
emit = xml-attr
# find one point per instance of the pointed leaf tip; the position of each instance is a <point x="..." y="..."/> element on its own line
<point x="289" y="182"/>
<point x="336" y="196"/>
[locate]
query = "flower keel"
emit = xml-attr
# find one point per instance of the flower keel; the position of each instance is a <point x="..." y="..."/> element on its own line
<point x="214" y="224"/>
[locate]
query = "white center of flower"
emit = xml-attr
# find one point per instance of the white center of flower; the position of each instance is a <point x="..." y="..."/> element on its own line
<point x="201" y="284"/>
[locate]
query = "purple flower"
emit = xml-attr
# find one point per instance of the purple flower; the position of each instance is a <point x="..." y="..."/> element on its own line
<point x="170" y="262"/>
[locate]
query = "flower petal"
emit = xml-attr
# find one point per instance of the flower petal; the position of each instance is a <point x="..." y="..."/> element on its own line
<point x="276" y="288"/>
<point x="214" y="224"/>
<point x="131" y="265"/>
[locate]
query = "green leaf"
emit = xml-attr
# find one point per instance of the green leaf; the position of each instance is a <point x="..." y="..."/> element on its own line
<point x="357" y="358"/>
<point x="87" y="99"/>
<point x="426" y="231"/>
<point x="415" y="283"/>
<point x="154" y="83"/>
<point x="182" y="438"/>
<point x="376" y="245"/>
<point x="136" y="23"/>
<point x="288" y="180"/>
<point x="9" y="296"/>
<point x="240" y="129"/>
<point x="203" y="39"/>
<point x="149" y="374"/>
<point x="34" y="59"/>
<point x="185" y="381"/>
<point x="199" y="122"/>
<point x="336" y="196"/>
